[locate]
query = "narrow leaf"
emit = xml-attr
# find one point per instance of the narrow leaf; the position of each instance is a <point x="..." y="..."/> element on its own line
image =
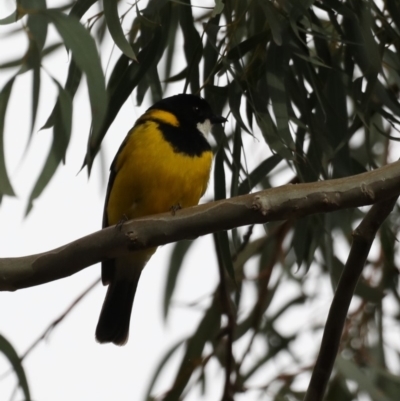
<point x="192" y="47"/>
<point x="37" y="24"/>
<point x="274" y="19"/>
<point x="121" y="91"/>
<point x="236" y="160"/>
<point x="352" y="372"/>
<point x="219" y="7"/>
<point x="61" y="137"/>
<point x="179" y="252"/>
<point x="85" y="54"/>
<point x="224" y="253"/>
<point x="207" y="330"/>
<point x="73" y="79"/>
<point x="10" y="19"/>
<point x="115" y="28"/>
<point x="80" y="7"/>
<point x="235" y="93"/>
<point x="219" y="175"/>
<point x="258" y="174"/>
<point x="277" y="91"/>
<point x="9" y="352"/>
<point x="5" y="185"/>
<point x="160" y="367"/>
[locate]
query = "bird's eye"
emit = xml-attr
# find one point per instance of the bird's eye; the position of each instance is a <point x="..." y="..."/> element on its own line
<point x="196" y="109"/>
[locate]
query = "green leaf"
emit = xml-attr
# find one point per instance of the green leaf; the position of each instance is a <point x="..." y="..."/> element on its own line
<point x="61" y="137"/>
<point x="236" y="160"/>
<point x="12" y="63"/>
<point x="280" y="343"/>
<point x="266" y="124"/>
<point x="338" y="390"/>
<point x="336" y="124"/>
<point x="219" y="175"/>
<point x="235" y="96"/>
<point x="393" y="8"/>
<point x="17" y="62"/>
<point x="35" y="95"/>
<point x="238" y="51"/>
<point x="211" y="50"/>
<point x="312" y="60"/>
<point x="37" y="24"/>
<point x="268" y="129"/>
<point x="10" y="19"/>
<point x="179" y="252"/>
<point x="80" y="7"/>
<point x="352" y="372"/>
<point x="9" y="352"/>
<point x="170" y="46"/>
<point x="160" y="367"/>
<point x="207" y="330"/>
<point x="275" y="21"/>
<point x="389" y="382"/>
<point x="277" y="91"/>
<point x="150" y="81"/>
<point x="71" y="86"/>
<point x="66" y="112"/>
<point x="357" y="30"/>
<point x="5" y="185"/>
<point x="258" y="174"/>
<point x="121" y="90"/>
<point x="221" y="238"/>
<point x="387" y="98"/>
<point x="117" y="74"/>
<point x="301" y="240"/>
<point x="85" y="54"/>
<point x="178" y="77"/>
<point x="115" y="28"/>
<point x="373" y="295"/>
<point x="224" y="253"/>
<point x="192" y="46"/>
<point x="219" y="7"/>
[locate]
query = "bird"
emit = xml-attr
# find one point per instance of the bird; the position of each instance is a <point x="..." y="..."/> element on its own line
<point x="162" y="165"/>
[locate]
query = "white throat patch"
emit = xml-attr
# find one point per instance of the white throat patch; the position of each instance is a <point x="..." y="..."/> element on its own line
<point x="204" y="127"/>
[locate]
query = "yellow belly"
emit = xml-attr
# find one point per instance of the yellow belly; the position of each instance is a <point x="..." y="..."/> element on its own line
<point x="151" y="178"/>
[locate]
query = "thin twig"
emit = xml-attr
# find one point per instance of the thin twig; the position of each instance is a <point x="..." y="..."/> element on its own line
<point x="363" y="238"/>
<point x="52" y="325"/>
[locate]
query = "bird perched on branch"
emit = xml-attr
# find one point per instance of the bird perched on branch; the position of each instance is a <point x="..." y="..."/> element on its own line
<point x="163" y="164"/>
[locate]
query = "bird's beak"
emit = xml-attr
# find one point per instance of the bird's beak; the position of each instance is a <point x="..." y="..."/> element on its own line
<point x="218" y="120"/>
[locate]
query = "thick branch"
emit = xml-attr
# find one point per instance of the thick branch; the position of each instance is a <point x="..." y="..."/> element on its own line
<point x="289" y="201"/>
<point x="363" y="238"/>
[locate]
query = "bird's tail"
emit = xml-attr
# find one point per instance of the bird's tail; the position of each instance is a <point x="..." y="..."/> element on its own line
<point x="122" y="276"/>
<point x="115" y="315"/>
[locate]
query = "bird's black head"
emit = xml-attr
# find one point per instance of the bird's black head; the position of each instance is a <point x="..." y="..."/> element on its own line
<point x="195" y="119"/>
<point x="191" y="111"/>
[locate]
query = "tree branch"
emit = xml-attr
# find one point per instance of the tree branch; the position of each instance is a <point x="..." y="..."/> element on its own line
<point x="281" y="203"/>
<point x="363" y="237"/>
<point x="227" y="310"/>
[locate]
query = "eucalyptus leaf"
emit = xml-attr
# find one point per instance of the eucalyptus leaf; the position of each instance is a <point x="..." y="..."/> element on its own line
<point x="5" y="185"/>
<point x="10" y="353"/>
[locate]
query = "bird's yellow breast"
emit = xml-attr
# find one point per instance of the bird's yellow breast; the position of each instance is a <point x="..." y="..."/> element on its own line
<point x="151" y="178"/>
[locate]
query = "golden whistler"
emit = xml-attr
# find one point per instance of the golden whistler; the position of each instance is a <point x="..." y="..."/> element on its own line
<point x="163" y="164"/>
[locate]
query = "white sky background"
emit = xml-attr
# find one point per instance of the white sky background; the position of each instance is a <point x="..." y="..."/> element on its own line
<point x="70" y="365"/>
